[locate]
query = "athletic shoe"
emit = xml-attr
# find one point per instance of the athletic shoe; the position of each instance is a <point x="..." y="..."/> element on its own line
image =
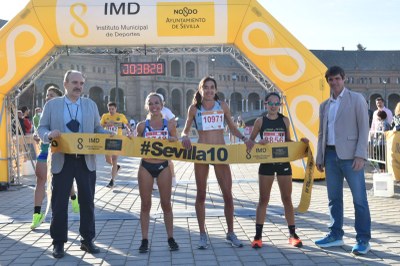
<point x="329" y="241"/>
<point x="232" y="238"/>
<point x="172" y="244"/>
<point x="203" y="241"/>
<point x="295" y="241"/>
<point x="37" y="220"/>
<point x="155" y="186"/>
<point x="173" y="181"/>
<point x="256" y="243"/>
<point x="144" y="247"/>
<point x="361" y="248"/>
<point x="118" y="167"/>
<point x="75" y="205"/>
<point x="111" y="184"/>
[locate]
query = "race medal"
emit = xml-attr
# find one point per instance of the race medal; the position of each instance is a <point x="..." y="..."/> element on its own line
<point x="274" y="136"/>
<point x="212" y="120"/>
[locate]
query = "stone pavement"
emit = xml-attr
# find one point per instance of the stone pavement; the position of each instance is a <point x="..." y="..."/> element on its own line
<point x="119" y="234"/>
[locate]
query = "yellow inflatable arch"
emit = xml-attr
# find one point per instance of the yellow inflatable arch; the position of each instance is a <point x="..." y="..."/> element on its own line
<point x="28" y="39"/>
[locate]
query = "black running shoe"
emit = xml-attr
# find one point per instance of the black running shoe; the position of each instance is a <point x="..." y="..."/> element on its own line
<point x="111" y="184"/>
<point x="172" y="244"/>
<point x="144" y="247"/>
<point x="118" y="167"/>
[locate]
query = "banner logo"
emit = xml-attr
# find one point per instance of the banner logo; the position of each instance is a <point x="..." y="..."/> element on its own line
<point x="12" y="54"/>
<point x="84" y="30"/>
<point x="296" y="56"/>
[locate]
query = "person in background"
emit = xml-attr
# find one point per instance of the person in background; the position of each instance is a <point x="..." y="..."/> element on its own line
<point x="26" y="122"/>
<point x="36" y="118"/>
<point x="379" y="139"/>
<point x="274" y="127"/>
<point x="114" y="121"/>
<point x="151" y="170"/>
<point x="240" y="125"/>
<point x="211" y="131"/>
<point x="380" y="104"/>
<point x="71" y="114"/>
<point x="41" y="173"/>
<point x="167" y="113"/>
<point x="342" y="153"/>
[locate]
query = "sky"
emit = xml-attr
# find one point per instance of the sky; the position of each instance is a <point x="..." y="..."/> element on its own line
<point x="319" y="24"/>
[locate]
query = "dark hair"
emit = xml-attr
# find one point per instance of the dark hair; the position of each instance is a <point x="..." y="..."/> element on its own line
<point x="197" y="99"/>
<point x="333" y="71"/>
<point x="272" y="93"/>
<point x="55" y="90"/>
<point x="382" y="114"/>
<point x="111" y="104"/>
<point x="24" y="109"/>
<point x="379" y="98"/>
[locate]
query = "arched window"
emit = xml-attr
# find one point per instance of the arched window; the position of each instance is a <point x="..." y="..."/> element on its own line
<point x="190" y="69"/>
<point x="175" y="68"/>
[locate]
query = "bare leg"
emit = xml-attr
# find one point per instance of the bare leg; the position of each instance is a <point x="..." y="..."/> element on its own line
<point x="41" y="178"/>
<point x="164" y="186"/>
<point x="285" y="187"/>
<point x="201" y="174"/>
<point x="145" y="189"/>
<point x="265" y="184"/>
<point x="224" y="177"/>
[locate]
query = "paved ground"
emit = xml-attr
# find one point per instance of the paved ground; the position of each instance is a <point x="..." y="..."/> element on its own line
<point x="119" y="235"/>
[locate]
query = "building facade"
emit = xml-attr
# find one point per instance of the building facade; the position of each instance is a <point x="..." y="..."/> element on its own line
<point x="372" y="73"/>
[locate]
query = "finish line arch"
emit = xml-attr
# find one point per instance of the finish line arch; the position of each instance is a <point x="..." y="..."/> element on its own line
<point x="30" y="40"/>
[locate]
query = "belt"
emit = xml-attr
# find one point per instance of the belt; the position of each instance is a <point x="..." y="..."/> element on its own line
<point x="330" y="147"/>
<point x="75" y="156"/>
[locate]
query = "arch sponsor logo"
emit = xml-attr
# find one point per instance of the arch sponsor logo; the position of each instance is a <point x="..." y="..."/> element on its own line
<point x="181" y="19"/>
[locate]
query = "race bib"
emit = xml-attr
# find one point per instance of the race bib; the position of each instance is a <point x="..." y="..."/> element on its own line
<point x="274" y="136"/>
<point x="158" y="134"/>
<point x="212" y="120"/>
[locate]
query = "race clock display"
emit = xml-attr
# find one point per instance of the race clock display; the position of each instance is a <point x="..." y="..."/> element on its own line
<point x="142" y="69"/>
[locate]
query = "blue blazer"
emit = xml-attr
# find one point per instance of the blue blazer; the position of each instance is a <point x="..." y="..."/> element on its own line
<point x="53" y="118"/>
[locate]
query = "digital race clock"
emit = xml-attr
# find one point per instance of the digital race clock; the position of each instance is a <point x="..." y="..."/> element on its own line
<point x="142" y="69"/>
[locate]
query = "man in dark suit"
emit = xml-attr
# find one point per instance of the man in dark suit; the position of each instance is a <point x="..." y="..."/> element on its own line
<point x="71" y="114"/>
<point x="342" y="151"/>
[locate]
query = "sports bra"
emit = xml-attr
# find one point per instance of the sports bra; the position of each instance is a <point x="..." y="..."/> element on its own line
<point x="210" y="119"/>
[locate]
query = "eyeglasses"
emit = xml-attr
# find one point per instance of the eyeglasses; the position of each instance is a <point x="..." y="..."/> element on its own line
<point x="273" y="104"/>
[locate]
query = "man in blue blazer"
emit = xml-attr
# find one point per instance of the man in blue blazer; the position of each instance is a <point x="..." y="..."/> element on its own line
<point x="342" y="151"/>
<point x="71" y="114"/>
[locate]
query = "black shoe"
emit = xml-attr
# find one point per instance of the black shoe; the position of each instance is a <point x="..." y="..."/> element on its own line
<point x="89" y="247"/>
<point x="172" y="244"/>
<point x="144" y="247"/>
<point x="111" y="184"/>
<point x="58" y="250"/>
<point x="118" y="167"/>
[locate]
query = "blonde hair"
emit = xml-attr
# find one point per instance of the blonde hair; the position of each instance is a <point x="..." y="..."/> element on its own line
<point x="146" y="103"/>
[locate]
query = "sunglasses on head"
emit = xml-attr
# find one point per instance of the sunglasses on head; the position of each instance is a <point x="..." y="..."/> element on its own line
<point x="273" y="104"/>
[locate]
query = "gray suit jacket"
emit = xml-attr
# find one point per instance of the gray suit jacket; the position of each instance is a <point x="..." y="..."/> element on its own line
<point x="53" y="118"/>
<point x="351" y="128"/>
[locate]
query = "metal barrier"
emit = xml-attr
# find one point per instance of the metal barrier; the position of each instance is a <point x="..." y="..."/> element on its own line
<point x="377" y="152"/>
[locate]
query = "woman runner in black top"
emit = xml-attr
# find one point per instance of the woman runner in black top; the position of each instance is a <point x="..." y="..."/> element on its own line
<point x="274" y="127"/>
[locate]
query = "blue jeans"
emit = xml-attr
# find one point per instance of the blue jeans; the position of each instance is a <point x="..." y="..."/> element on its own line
<point x="336" y="170"/>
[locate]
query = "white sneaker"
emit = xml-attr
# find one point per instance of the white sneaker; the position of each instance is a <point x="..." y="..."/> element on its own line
<point x="155" y="186"/>
<point x="173" y="181"/>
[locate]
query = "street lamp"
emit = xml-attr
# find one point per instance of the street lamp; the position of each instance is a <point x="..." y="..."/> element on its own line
<point x="213" y="65"/>
<point x="234" y="78"/>
<point x="384" y="81"/>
